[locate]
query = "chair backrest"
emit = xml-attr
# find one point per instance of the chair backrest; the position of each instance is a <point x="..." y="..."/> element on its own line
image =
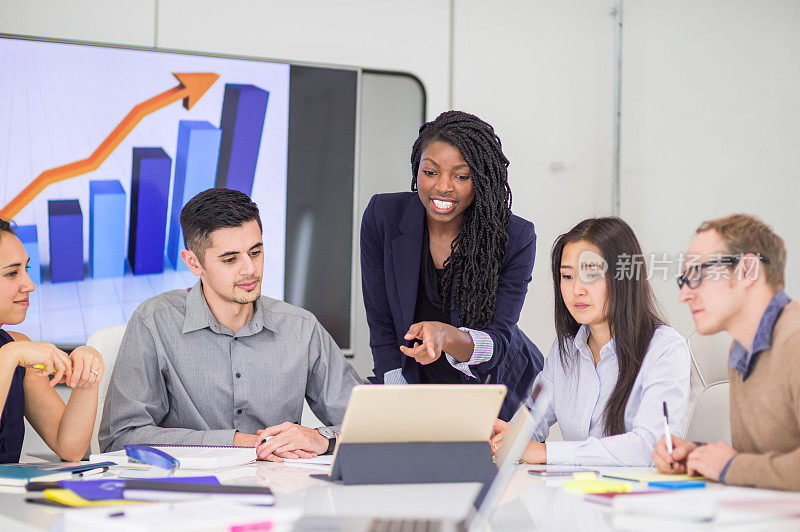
<point x="710" y="356"/>
<point x="709" y="419"/>
<point x="106" y="341"/>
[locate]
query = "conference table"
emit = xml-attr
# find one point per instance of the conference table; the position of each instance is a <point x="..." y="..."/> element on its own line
<point x="528" y="503"/>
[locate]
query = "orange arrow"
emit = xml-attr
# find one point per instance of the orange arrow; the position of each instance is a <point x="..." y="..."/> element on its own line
<point x="192" y="87"/>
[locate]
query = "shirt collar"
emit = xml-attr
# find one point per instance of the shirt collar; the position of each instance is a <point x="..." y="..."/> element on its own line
<point x="743" y="360"/>
<point x="581" y="344"/>
<point x="199" y="316"/>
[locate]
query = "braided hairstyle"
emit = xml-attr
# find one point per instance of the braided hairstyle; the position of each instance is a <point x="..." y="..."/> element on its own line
<point x="478" y="251"/>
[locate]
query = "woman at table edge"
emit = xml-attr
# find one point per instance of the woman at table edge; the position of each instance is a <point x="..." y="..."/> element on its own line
<point x="29" y="392"/>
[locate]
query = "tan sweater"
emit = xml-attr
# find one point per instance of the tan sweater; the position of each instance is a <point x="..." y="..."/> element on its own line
<point x="765" y="412"/>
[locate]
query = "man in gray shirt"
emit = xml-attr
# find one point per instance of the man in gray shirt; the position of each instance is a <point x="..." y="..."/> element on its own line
<point x="220" y="364"/>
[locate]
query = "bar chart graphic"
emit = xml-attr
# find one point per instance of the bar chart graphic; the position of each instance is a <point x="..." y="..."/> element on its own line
<point x="243" y="113"/>
<point x="195" y="171"/>
<point x="149" y="200"/>
<point x="106" y="229"/>
<point x="103" y="232"/>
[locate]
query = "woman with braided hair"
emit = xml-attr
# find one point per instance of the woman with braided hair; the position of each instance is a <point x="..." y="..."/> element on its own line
<point x="445" y="268"/>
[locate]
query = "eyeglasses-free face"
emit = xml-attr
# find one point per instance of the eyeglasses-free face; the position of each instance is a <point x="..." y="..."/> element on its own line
<point x="693" y="276"/>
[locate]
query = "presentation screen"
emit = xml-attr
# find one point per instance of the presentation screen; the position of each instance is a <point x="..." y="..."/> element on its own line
<point x="101" y="147"/>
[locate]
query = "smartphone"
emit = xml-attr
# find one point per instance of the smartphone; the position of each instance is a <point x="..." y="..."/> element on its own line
<point x="541" y="471"/>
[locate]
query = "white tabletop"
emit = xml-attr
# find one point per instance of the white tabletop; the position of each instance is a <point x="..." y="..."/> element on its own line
<point x="528" y="503"/>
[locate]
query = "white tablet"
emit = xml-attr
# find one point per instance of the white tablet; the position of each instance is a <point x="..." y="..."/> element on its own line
<point x="421" y="413"/>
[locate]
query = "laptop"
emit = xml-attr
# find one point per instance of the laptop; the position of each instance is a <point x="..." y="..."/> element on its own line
<point x="516" y="441"/>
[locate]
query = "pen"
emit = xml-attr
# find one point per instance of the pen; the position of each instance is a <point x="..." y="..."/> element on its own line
<point x="667" y="435"/>
<point x="621" y="478"/>
<point x="91" y="472"/>
<point x="41" y="367"/>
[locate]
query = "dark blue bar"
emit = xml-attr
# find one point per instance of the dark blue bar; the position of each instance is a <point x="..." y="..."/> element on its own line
<point x="29" y="237"/>
<point x="195" y="171"/>
<point x="148" y="220"/>
<point x="65" y="222"/>
<point x="244" y="108"/>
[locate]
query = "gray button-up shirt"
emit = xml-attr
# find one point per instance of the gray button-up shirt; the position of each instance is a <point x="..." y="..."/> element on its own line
<point x="182" y="377"/>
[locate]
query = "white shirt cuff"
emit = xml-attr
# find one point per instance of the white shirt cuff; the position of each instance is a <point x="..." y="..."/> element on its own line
<point x="561" y="452"/>
<point x="482" y="351"/>
<point x="394" y="376"/>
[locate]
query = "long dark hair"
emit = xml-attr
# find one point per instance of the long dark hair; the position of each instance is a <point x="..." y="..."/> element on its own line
<point x="631" y="309"/>
<point x="478" y="251"/>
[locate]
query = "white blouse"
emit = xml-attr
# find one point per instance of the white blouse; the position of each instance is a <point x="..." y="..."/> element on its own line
<point x="580" y="392"/>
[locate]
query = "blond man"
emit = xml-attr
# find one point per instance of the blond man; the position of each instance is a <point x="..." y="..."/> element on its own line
<point x="733" y="281"/>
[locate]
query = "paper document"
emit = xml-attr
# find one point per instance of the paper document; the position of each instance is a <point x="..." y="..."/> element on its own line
<point x="324" y="459"/>
<point x="151" y="517"/>
<point x="192" y="457"/>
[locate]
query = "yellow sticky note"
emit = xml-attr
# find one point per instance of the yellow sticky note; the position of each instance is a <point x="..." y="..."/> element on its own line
<point x="70" y="498"/>
<point x="596" y="486"/>
<point x="584" y="475"/>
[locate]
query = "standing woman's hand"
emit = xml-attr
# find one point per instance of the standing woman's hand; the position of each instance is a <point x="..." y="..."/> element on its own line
<point x="29" y="354"/>
<point x="87" y="367"/>
<point x="437" y="337"/>
<point x="433" y="335"/>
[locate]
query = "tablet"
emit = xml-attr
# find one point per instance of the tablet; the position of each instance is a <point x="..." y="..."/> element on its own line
<point x="421" y="413"/>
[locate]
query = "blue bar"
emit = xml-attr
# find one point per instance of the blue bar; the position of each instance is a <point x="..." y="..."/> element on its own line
<point x="148" y="219"/>
<point x="244" y="108"/>
<point x="195" y="171"/>
<point x="65" y="222"/>
<point x="106" y="229"/>
<point x="29" y="237"/>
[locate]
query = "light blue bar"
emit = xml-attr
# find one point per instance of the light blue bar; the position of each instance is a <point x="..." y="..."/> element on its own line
<point x="106" y="229"/>
<point x="195" y="171"/>
<point x="29" y="237"/>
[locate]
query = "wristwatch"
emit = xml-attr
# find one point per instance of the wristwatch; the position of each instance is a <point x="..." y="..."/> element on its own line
<point x="328" y="433"/>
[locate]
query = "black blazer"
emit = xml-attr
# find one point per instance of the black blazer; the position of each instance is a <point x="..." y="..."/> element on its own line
<point x="391" y="250"/>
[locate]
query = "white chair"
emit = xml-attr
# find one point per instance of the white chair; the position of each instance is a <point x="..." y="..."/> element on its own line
<point x="709" y="418"/>
<point x="107" y="342"/>
<point x="710" y="356"/>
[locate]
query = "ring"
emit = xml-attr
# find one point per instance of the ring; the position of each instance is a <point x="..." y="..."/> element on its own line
<point x="94" y="371"/>
<point x="494" y="446"/>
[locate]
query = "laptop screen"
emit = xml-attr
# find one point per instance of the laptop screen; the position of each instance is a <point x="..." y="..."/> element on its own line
<point x="507" y="459"/>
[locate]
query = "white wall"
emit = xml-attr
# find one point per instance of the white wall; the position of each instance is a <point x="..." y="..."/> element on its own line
<point x="120" y="22"/>
<point x="541" y="73"/>
<point x="710" y="122"/>
<point x="710" y="106"/>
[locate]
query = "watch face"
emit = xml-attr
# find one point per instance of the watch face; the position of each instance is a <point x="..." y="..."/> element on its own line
<point x="328" y="433"/>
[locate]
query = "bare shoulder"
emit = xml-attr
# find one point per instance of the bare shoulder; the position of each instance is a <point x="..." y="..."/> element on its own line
<point x="19" y="337"/>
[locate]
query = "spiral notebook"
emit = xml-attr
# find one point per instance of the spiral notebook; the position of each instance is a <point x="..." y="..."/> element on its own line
<point x="191" y="456"/>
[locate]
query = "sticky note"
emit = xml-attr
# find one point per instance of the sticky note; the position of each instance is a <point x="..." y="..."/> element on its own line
<point x="69" y="498"/>
<point x="677" y="484"/>
<point x="596" y="486"/>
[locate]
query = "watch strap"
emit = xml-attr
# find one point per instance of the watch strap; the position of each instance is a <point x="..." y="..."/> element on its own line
<point x="331" y="446"/>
